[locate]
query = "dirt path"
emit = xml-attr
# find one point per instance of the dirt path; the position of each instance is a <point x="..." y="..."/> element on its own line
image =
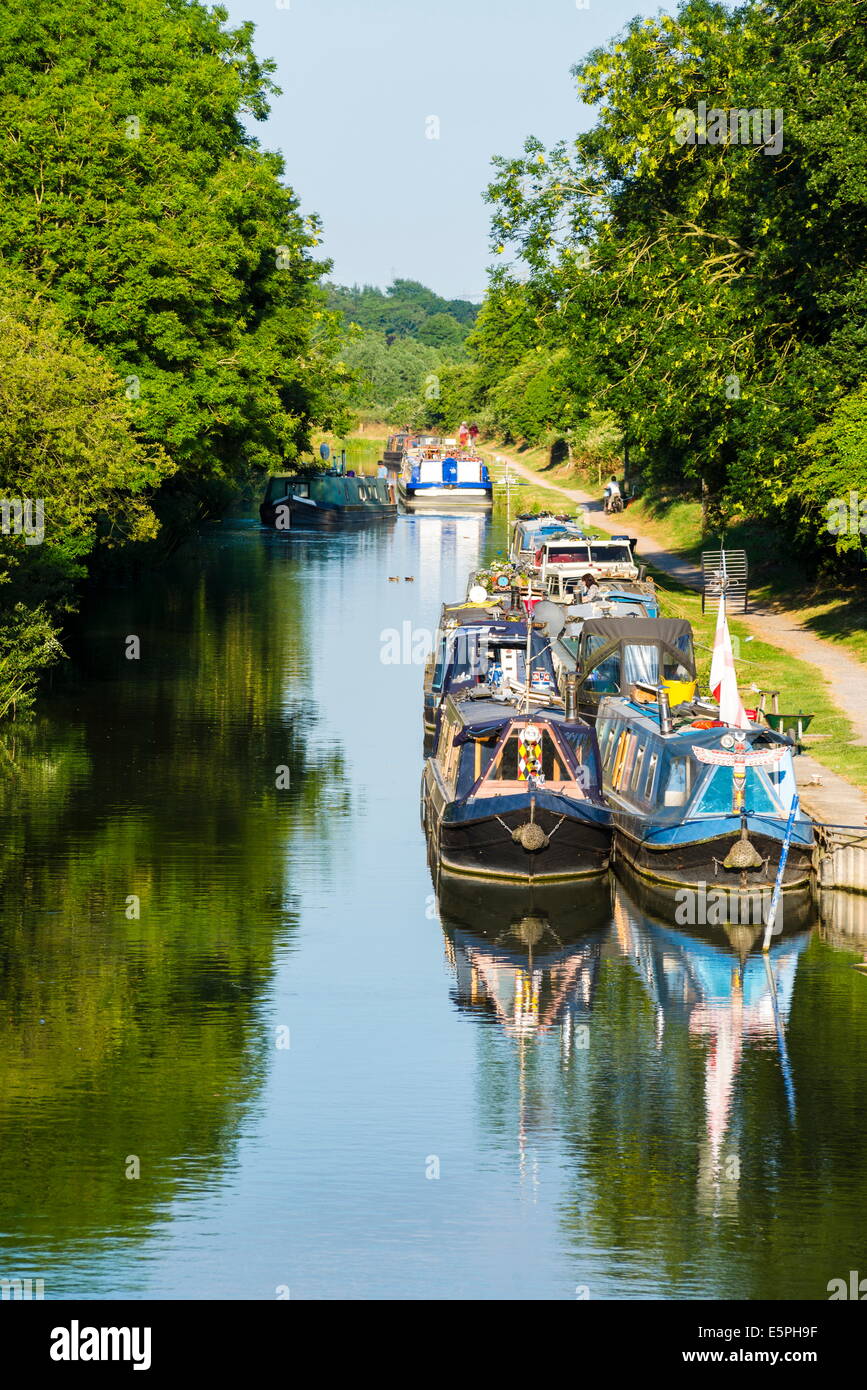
<point x="830" y="797"/>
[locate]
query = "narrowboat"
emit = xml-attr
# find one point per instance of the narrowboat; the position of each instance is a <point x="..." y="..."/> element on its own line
<point x="441" y="476"/>
<point x="329" y="498"/>
<point x="392" y="454"/>
<point x="615" y="655"/>
<point x="515" y="795"/>
<point x="619" y="598"/>
<point x="484" y="650"/>
<point x="696" y="802"/>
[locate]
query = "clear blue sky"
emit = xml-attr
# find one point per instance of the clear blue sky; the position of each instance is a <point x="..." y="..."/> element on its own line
<point x="360" y="78"/>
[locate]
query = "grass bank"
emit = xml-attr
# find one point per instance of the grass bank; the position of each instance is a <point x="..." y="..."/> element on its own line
<point x="835" y="612"/>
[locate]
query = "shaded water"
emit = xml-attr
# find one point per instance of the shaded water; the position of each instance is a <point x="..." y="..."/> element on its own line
<point x="328" y="1080"/>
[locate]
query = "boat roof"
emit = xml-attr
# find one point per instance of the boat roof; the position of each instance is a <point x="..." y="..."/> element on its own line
<point x="483" y="717"/>
<point x="665" y="630"/>
<point x="648" y="717"/>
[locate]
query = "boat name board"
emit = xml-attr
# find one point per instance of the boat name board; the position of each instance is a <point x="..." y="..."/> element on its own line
<point x="765" y="757"/>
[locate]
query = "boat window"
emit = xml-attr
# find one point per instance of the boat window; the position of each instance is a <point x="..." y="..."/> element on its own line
<point x="605" y="678"/>
<point x="440" y="666"/>
<point x="677" y="784"/>
<point x="757" y="793"/>
<point x="673" y="671"/>
<point x="716" y="799"/>
<point x="651" y="773"/>
<point x="567" y="555"/>
<point x="611" y="745"/>
<point x="603" y="729"/>
<point x="519" y="759"/>
<point x="635" y="781"/>
<point x="475" y="759"/>
<point x="641" y="663"/>
<point x="301" y="489"/>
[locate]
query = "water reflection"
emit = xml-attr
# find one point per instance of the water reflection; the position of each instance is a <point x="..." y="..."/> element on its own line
<point x="583" y="1069"/>
<point x="723" y="992"/>
<point x="146" y="880"/>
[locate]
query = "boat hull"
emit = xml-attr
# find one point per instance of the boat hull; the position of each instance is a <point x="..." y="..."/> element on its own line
<point x="691" y="861"/>
<point x="443" y="497"/>
<point x="708" y="917"/>
<point x="317" y="517"/>
<point x="474" y="838"/>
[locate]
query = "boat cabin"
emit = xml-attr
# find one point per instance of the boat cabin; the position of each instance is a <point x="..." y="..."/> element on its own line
<point x="573" y="557"/>
<point x="612" y="656"/>
<point x="621" y="598"/>
<point x="488" y="749"/>
<point x="674" y="776"/>
<point x="491" y="657"/>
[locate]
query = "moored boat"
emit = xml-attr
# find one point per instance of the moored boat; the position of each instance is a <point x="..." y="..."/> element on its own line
<point x="482" y="651"/>
<point x="529" y="529"/>
<point x="613" y="655"/>
<point x="515" y="795"/>
<point x="438" y="475"/>
<point x="698" y="802"/>
<point x="314" y="498"/>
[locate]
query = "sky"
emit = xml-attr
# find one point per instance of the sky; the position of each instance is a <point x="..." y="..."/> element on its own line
<point x="360" y="81"/>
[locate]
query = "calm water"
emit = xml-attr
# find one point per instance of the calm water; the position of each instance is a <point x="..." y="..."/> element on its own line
<point x="327" y="1079"/>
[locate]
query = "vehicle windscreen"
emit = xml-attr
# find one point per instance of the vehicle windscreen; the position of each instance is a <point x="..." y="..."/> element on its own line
<point x="611" y="554"/>
<point x="567" y="554"/>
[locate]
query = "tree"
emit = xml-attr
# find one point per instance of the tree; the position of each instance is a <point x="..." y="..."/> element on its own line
<point x="134" y="194"/>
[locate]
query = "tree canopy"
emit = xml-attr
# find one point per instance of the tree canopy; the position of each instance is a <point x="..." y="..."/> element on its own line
<point x="133" y="198"/>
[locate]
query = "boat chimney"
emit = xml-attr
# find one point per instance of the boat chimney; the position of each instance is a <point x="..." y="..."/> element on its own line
<point x="570" y="697"/>
<point x="516" y="598"/>
<point x="665" y="724"/>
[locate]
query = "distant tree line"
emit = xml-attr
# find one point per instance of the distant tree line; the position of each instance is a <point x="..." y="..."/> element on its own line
<point x="397" y="339"/>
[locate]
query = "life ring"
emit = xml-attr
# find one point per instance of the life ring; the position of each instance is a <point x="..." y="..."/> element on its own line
<point x="707" y="724"/>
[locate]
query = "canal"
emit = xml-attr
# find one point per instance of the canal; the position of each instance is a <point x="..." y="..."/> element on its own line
<point x="246" y="1052"/>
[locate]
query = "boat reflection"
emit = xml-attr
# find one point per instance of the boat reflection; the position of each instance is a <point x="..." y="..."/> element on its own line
<point x="718" y="983"/>
<point x="527" y="959"/>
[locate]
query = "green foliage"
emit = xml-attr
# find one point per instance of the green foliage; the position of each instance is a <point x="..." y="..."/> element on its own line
<point x="834" y="482"/>
<point x="386" y="373"/>
<point x="399" y="343"/>
<point x="710" y="296"/>
<point x="67" y="445"/>
<point x="133" y="197"/>
<point x="407" y="309"/>
<point x="132" y="191"/>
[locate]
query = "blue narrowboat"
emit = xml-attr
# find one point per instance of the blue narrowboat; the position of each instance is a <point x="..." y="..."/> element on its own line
<point x="434" y="478"/>
<point x="695" y="801"/>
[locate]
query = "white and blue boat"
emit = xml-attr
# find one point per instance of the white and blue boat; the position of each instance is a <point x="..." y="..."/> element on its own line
<point x="697" y="802"/>
<point x="441" y="478"/>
